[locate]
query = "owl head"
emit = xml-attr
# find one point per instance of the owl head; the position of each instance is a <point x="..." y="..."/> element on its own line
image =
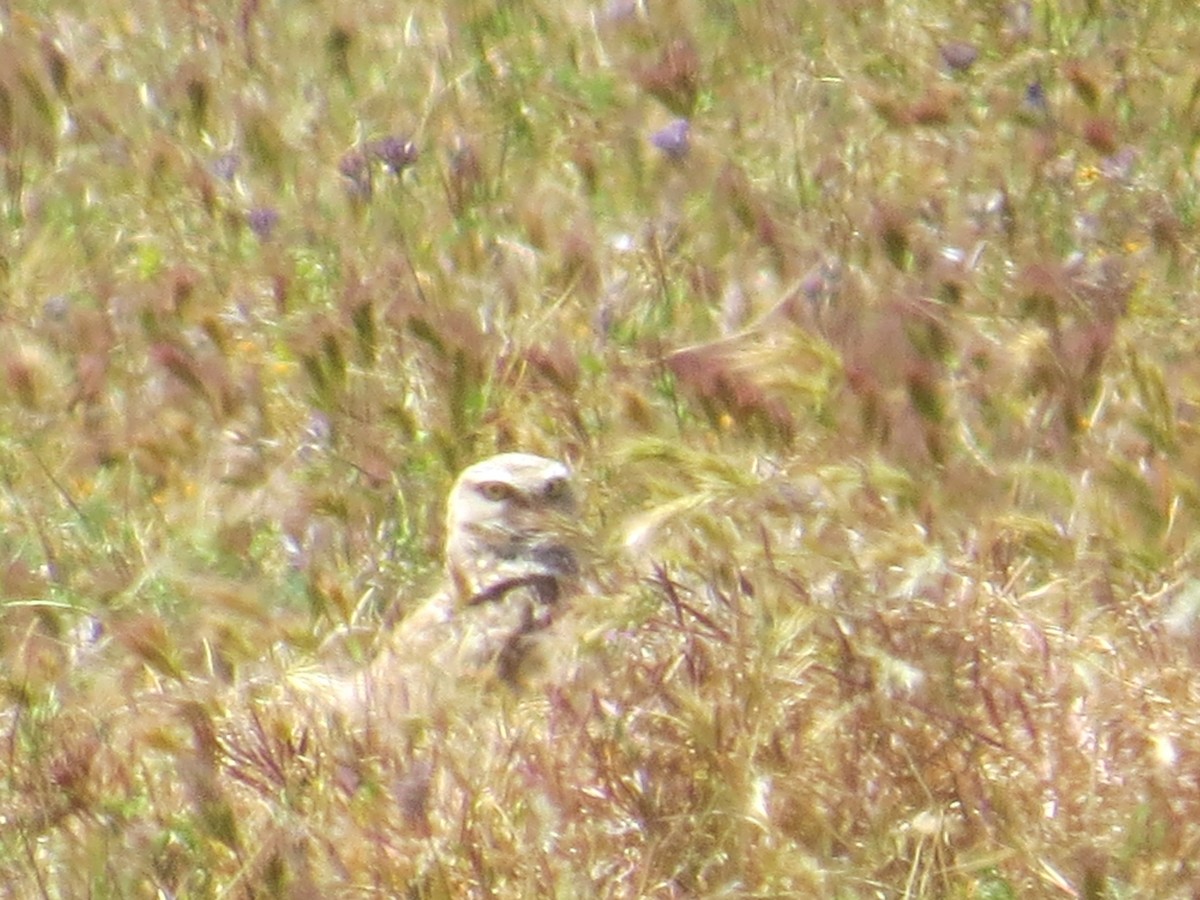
<point x="508" y="520"/>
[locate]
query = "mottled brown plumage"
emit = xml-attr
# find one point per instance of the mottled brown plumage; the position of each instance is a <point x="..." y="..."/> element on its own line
<point x="509" y="564"/>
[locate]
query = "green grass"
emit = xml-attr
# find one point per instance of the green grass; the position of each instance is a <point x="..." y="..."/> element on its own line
<point x="884" y="399"/>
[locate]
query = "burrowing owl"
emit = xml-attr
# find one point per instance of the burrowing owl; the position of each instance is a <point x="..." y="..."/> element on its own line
<point x="509" y="565"/>
<point x="509" y="561"/>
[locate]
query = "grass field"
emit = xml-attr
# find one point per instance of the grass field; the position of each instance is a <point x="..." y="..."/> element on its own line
<point x="869" y="326"/>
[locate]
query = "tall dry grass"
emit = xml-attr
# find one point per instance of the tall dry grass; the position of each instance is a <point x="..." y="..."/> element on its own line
<point x="869" y="327"/>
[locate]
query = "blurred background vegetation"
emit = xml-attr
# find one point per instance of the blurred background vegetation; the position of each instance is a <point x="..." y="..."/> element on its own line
<point x="868" y="325"/>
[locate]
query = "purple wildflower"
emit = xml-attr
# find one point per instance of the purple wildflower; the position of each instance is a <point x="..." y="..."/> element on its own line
<point x="262" y="221"/>
<point x="226" y="165"/>
<point x="357" y="170"/>
<point x="674" y="140"/>
<point x="959" y="55"/>
<point x="396" y="153"/>
<point x="1035" y="95"/>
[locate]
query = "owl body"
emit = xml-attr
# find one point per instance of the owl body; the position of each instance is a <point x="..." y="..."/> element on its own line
<point x="509" y="565"/>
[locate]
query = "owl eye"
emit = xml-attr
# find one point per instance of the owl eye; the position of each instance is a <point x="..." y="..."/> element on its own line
<point x="495" y="491"/>
<point x="557" y="489"/>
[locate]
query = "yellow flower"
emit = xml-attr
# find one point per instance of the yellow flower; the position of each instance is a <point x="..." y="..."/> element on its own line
<point x="1086" y="175"/>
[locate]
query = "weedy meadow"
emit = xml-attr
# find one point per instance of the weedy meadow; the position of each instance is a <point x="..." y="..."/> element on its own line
<point x="869" y="328"/>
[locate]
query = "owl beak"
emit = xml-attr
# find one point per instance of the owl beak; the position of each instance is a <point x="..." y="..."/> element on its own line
<point x="555" y="533"/>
